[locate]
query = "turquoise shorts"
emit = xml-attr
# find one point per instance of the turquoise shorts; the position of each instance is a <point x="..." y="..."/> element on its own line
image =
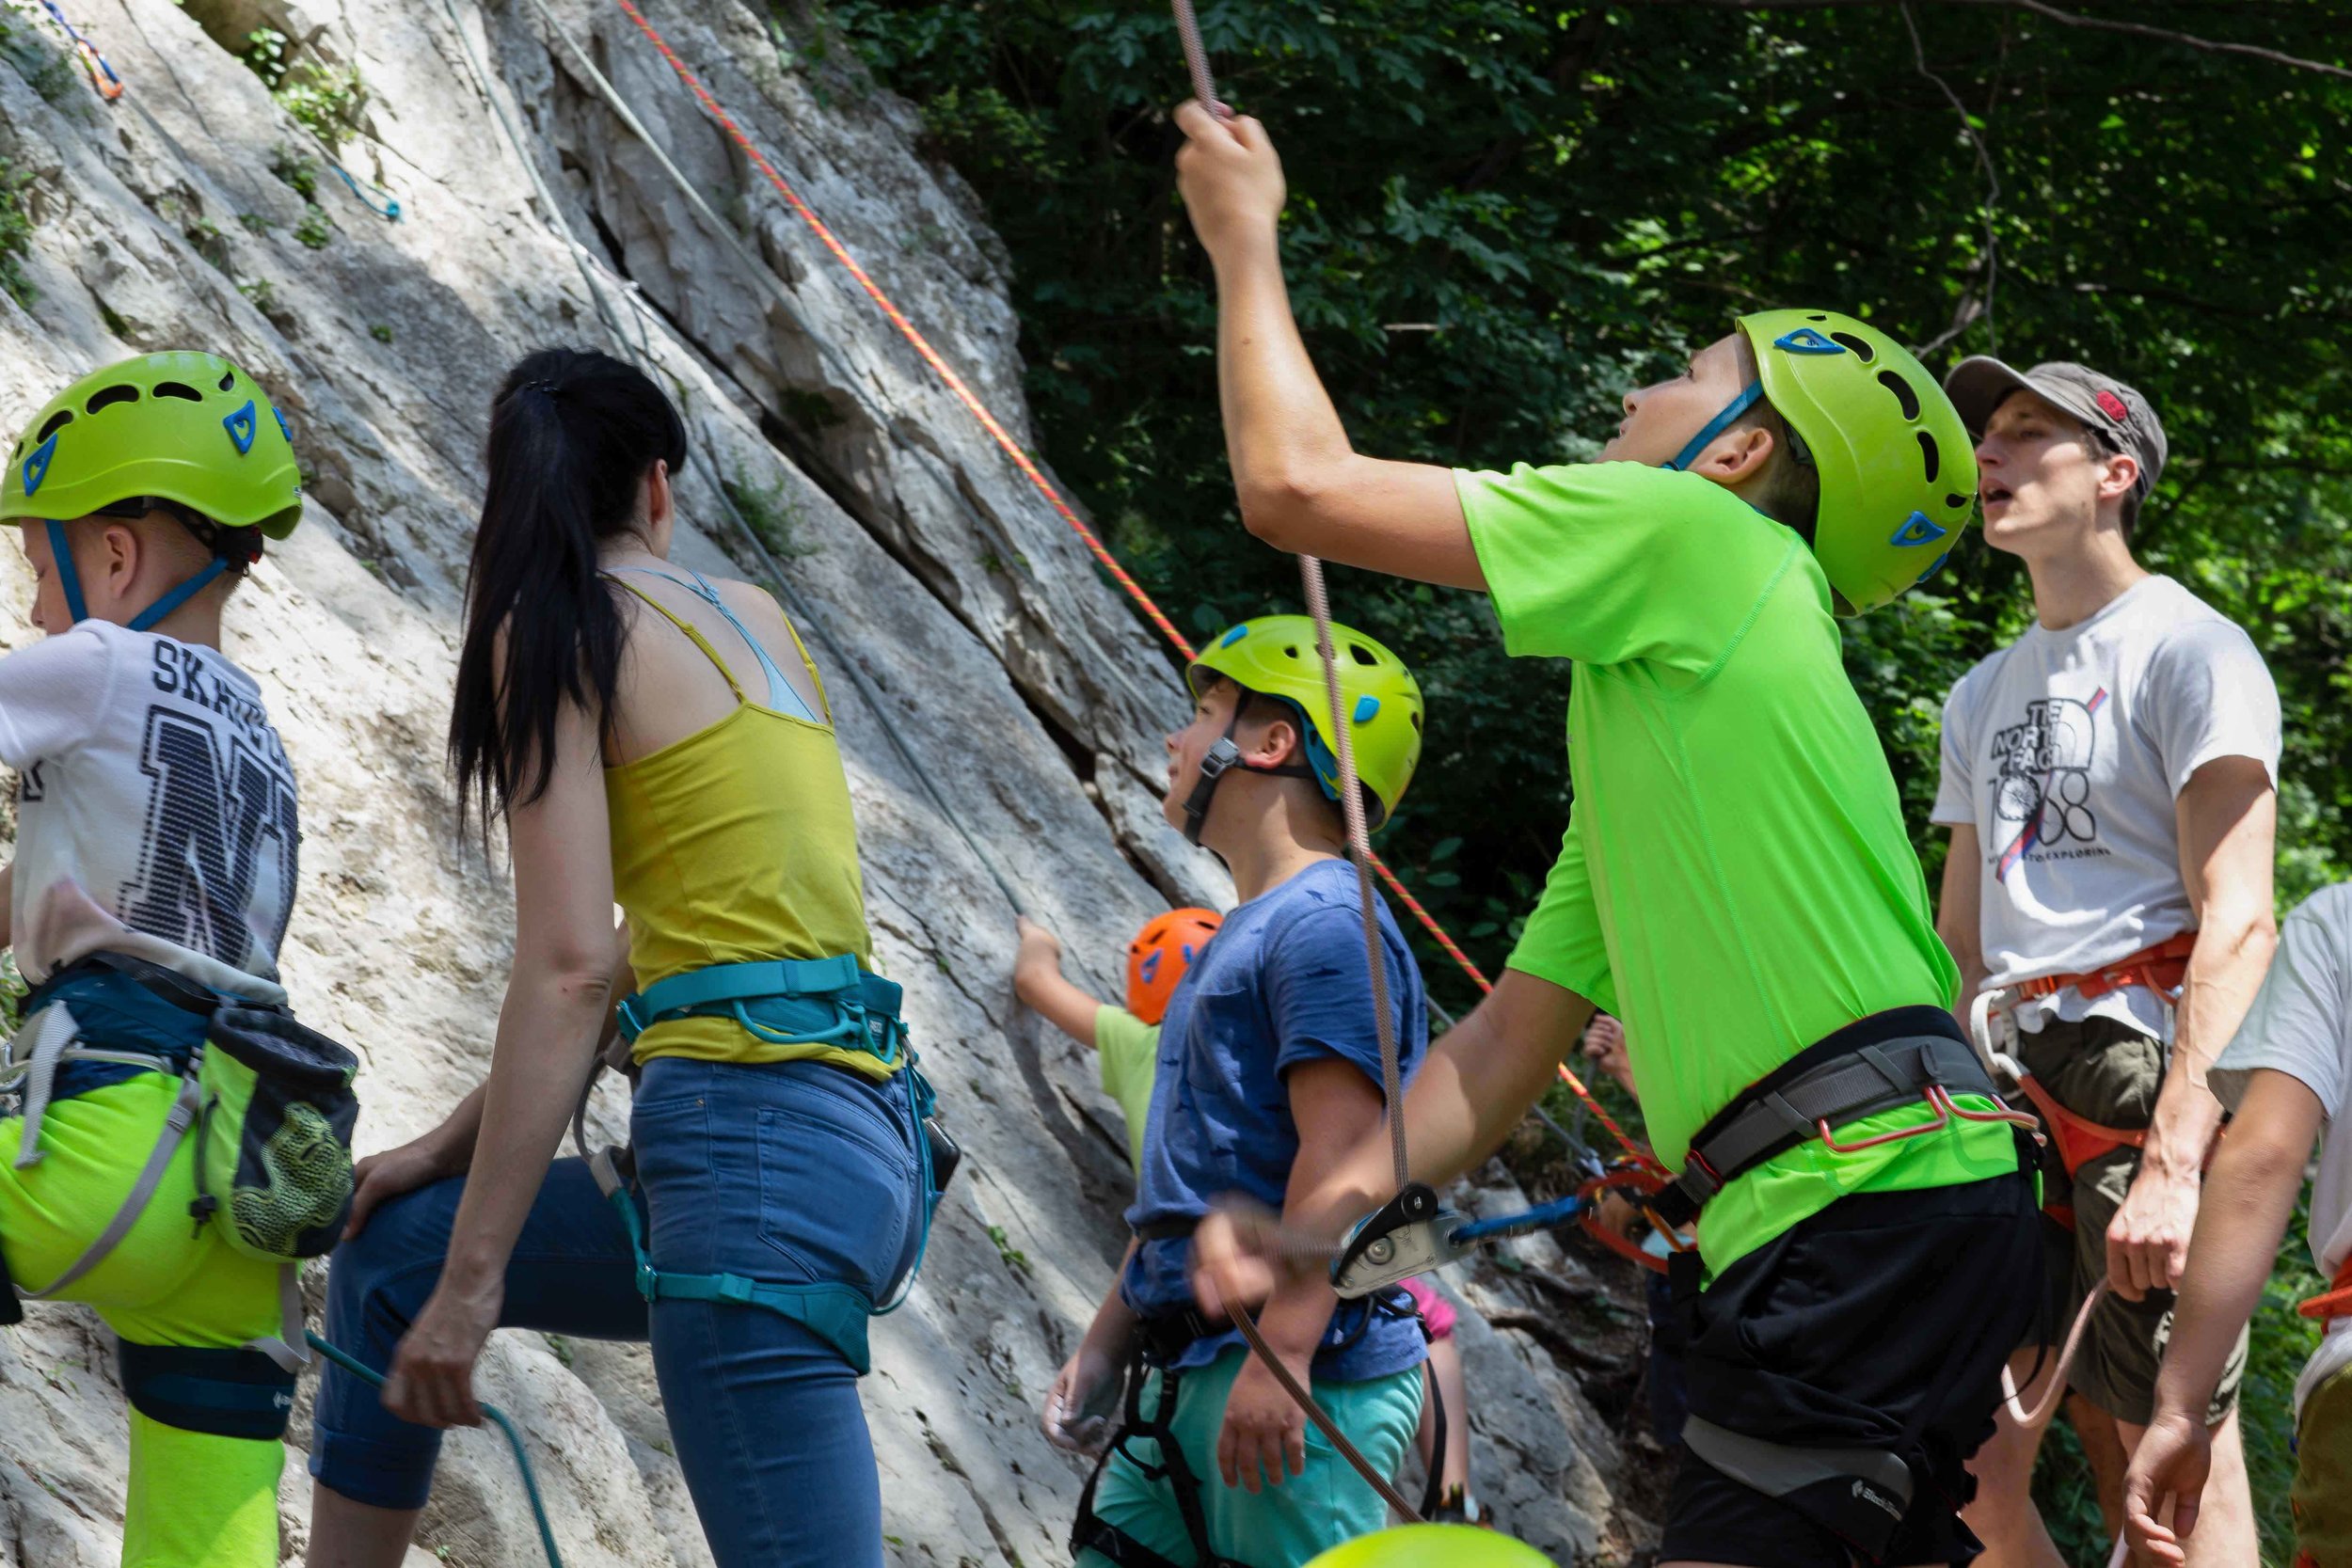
<point x="1280" y="1527"/>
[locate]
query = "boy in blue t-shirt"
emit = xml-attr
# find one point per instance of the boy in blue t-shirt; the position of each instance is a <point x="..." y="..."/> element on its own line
<point x="1269" y="1070"/>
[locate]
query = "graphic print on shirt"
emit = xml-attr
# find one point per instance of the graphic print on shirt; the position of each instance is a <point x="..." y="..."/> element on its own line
<point x="222" y="793"/>
<point x="2041" y="790"/>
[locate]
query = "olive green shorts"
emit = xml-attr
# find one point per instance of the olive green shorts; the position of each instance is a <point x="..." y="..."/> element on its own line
<point x="2111" y="1072"/>
<point x="2323" y="1476"/>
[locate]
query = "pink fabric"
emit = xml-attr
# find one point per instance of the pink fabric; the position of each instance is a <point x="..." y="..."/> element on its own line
<point x="1434" y="1309"/>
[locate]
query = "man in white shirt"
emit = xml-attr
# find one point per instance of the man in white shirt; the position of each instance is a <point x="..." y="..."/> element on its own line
<point x="2288" y="1070"/>
<point x="2109" y="783"/>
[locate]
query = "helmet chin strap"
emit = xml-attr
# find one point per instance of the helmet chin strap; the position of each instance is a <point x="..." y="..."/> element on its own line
<point x="1716" y="426"/>
<point x="70" y="580"/>
<point x="1222" y="758"/>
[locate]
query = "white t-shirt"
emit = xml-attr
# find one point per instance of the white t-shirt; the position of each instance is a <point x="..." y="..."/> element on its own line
<point x="2301" y="1025"/>
<point x="2065" y="751"/>
<point x="155" y="809"/>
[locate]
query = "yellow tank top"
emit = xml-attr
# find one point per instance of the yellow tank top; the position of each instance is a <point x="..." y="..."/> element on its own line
<point x="732" y="846"/>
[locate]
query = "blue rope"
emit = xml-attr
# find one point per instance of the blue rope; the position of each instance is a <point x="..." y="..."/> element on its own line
<point x="1560" y="1211"/>
<point x="387" y="207"/>
<point x="514" y="1439"/>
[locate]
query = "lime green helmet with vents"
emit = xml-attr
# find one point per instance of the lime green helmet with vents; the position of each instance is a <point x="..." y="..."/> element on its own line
<point x="1898" y="470"/>
<point x="1273" y="655"/>
<point x="188" y="432"/>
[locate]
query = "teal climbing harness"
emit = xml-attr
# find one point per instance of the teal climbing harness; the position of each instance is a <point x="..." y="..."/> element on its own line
<point x="820" y="1001"/>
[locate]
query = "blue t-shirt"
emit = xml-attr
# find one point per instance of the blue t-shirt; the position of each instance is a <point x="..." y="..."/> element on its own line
<point x="1282" y="982"/>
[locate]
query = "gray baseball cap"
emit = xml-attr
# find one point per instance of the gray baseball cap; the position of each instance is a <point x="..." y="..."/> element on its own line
<point x="2110" y="408"/>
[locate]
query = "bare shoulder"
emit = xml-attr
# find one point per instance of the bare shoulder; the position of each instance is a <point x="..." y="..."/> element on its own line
<point x="748" y="599"/>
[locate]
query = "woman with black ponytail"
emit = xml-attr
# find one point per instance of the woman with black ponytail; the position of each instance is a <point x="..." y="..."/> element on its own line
<point x="653" y="738"/>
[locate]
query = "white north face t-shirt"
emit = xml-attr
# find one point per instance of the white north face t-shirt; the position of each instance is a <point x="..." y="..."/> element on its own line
<point x="155" y="809"/>
<point x="2301" y="1025"/>
<point x="2065" y="751"/>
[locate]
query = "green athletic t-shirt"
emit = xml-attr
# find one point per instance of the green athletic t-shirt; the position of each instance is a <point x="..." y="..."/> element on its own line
<point x="1129" y="1050"/>
<point x="1734" y="883"/>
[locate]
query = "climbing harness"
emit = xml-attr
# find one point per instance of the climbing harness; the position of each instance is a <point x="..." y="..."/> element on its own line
<point x="1159" y="1341"/>
<point x="1993" y="1030"/>
<point x="2333" y="1303"/>
<point x="277" y="1184"/>
<point x="824" y="1002"/>
<point x="1896" y="1058"/>
<point x="368" y="1374"/>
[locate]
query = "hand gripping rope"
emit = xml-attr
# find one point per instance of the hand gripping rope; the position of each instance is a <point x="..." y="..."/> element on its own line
<point x="368" y="1374"/>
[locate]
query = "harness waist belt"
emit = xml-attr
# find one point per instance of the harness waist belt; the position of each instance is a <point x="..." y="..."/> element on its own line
<point x="725" y="987"/>
<point x="2161" y="968"/>
<point x="2336" y="1302"/>
<point x="1884" y="1061"/>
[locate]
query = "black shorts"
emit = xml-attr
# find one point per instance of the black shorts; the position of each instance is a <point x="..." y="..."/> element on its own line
<point x="1883" y="1322"/>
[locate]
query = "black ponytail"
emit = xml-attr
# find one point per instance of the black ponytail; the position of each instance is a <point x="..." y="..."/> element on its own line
<point x="572" y="435"/>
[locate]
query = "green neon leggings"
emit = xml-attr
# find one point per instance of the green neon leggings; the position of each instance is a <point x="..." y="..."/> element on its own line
<point x="195" y="1500"/>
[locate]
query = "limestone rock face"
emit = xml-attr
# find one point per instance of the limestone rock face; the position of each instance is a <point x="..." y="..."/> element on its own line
<point x="947" y="604"/>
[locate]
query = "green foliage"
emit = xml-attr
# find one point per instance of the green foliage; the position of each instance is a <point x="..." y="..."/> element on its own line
<point x="16" y="234"/>
<point x="380" y="332"/>
<point x="314" y="230"/>
<point x="773" y="515"/>
<point x="296" y="171"/>
<point x="256" y="224"/>
<point x="322" y="99"/>
<point x="263" y="292"/>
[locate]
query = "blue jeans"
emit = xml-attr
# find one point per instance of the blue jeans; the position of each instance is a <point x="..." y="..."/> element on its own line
<point x="788" y="1173"/>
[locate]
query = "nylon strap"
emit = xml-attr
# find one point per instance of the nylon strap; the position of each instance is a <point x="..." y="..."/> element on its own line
<point x="176" y="1124"/>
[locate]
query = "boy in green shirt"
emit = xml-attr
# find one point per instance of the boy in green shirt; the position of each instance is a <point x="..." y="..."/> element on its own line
<point x="1127" y="1039"/>
<point x="1736" y="884"/>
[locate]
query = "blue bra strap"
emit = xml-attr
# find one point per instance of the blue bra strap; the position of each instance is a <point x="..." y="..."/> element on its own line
<point x="782" y="695"/>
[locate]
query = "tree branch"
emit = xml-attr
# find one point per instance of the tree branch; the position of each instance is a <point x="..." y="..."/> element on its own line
<point x="1963" y="316"/>
<point x="2070" y="19"/>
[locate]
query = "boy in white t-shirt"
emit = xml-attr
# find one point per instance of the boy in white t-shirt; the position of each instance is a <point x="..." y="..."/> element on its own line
<point x="2109" y="781"/>
<point x="153" y="874"/>
<point x="2289" y="1069"/>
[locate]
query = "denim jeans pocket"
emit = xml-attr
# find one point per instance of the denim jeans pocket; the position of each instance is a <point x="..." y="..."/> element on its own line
<point x="835" y="1200"/>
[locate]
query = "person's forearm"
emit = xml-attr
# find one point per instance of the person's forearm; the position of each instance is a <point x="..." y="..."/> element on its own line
<point x="1041" y="988"/>
<point x="547" y="1037"/>
<point x="2224" y="972"/>
<point x="2248" y="1200"/>
<point x="1281" y="432"/>
<point x="1114" y="1326"/>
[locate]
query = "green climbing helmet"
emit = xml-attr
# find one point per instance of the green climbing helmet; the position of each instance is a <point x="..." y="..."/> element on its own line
<point x="1275" y="656"/>
<point x="189" y="428"/>
<point x="1898" y="470"/>
<point x="1433" y="1546"/>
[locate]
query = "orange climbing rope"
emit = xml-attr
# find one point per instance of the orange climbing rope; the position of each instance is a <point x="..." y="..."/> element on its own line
<point x="1046" y="488"/>
<point x="946" y="372"/>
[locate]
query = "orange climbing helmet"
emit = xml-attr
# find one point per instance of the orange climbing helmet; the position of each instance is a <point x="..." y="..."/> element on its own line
<point x="1161" y="954"/>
